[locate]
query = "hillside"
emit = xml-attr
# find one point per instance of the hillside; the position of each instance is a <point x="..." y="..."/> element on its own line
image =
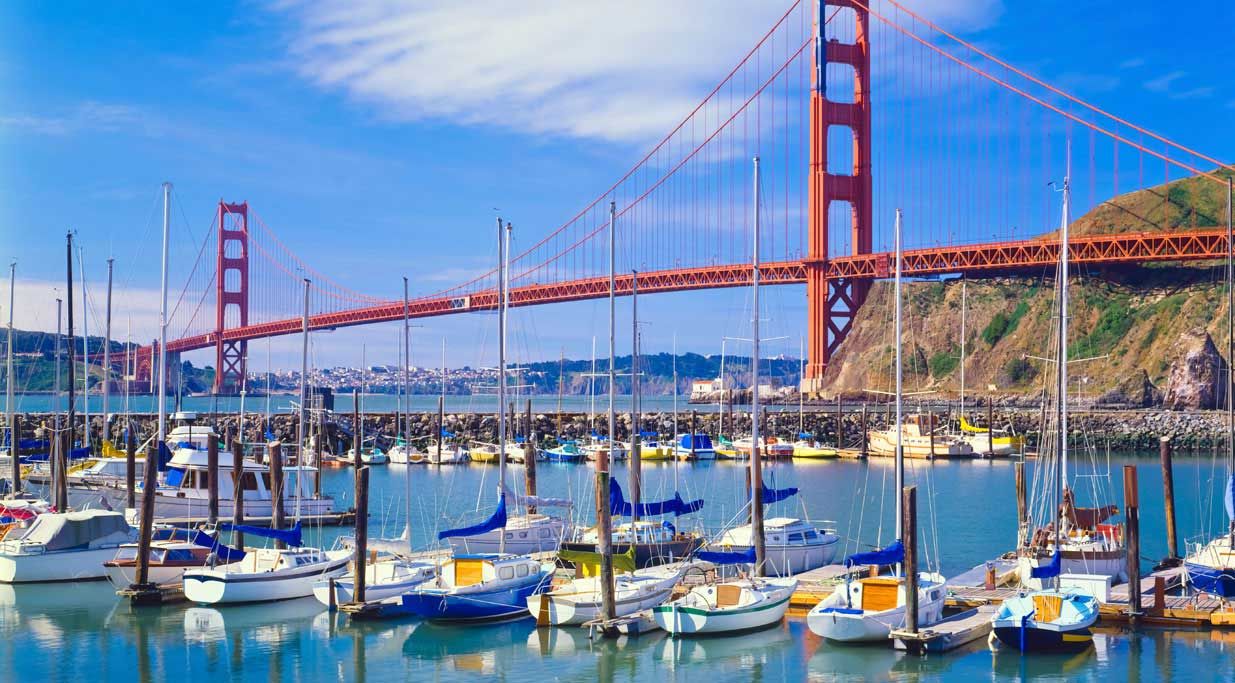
<point x="1153" y="333"/>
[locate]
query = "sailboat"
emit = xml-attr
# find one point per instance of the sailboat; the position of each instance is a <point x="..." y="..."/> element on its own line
<point x="1051" y="618"/>
<point x="869" y="608"/>
<point x="492" y="585"/>
<point x="286" y="571"/>
<point x="746" y="603"/>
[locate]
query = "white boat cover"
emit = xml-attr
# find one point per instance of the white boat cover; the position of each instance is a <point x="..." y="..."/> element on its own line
<point x="78" y="530"/>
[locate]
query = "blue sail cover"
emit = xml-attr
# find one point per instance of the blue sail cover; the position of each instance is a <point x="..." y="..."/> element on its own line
<point x="734" y="557"/>
<point x="892" y="554"/>
<point x="290" y="536"/>
<point x="165" y="456"/>
<point x="75" y="454"/>
<point x="1230" y="496"/>
<point x="777" y="495"/>
<point x="223" y="552"/>
<point x="1049" y="570"/>
<point x="618" y="505"/>
<point x="496" y="521"/>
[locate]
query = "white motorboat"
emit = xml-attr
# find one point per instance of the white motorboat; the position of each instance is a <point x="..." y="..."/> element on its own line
<point x="525" y="534"/>
<point x="593" y="450"/>
<point x="404" y="453"/>
<point x="64" y="546"/>
<point x="729" y="607"/>
<point x="792" y="545"/>
<point x="868" y="609"/>
<point x="368" y="456"/>
<point x="917" y="441"/>
<point x="451" y="454"/>
<point x="387" y="578"/>
<point x="579" y="601"/>
<point x="172" y="553"/>
<point x="695" y="447"/>
<point x="264" y="575"/>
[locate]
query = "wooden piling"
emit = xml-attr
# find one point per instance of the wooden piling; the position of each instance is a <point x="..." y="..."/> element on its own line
<point x="130" y="467"/>
<point x="1132" y="519"/>
<point x="909" y="536"/>
<point x="604" y="531"/>
<point x="362" y="534"/>
<point x="1168" y="497"/>
<point x="150" y="485"/>
<point x="529" y="459"/>
<point x="238" y="491"/>
<point x="276" y="487"/>
<point x="212" y="481"/>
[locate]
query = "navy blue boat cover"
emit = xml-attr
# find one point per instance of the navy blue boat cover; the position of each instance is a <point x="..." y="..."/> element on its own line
<point x="290" y="536"/>
<point x="892" y="554"/>
<point x="223" y="552"/>
<point x="733" y="557"/>
<point x="618" y="505"/>
<point x="1049" y="570"/>
<point x="496" y="521"/>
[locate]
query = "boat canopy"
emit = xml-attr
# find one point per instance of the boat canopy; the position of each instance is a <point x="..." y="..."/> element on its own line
<point x="702" y="442"/>
<point x="732" y="557"/>
<point x="892" y="554"/>
<point x="290" y="536"/>
<point x="496" y="521"/>
<point x="78" y="530"/>
<point x="618" y="505"/>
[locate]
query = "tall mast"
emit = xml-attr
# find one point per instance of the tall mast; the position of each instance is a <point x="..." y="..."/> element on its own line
<point x="167" y="221"/>
<point x="8" y="381"/>
<point x="304" y="395"/>
<point x="756" y="475"/>
<point x="1062" y="358"/>
<point x="407" y="360"/>
<point x="801" y="374"/>
<point x="604" y="521"/>
<point x="1230" y="344"/>
<point x="964" y="302"/>
<point x="107" y="352"/>
<point x="900" y="448"/>
<point x="56" y="402"/>
<point x="636" y="456"/>
<point x="591" y="389"/>
<point x="501" y="370"/>
<point x="60" y="499"/>
<point x="85" y="348"/>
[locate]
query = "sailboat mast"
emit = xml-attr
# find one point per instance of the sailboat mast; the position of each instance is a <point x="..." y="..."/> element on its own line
<point x="407" y="474"/>
<point x="1062" y="357"/>
<point x="636" y="456"/>
<point x="501" y="371"/>
<point x="801" y="374"/>
<point x="964" y="302"/>
<point x="1230" y="342"/>
<point x="167" y="221"/>
<point x="900" y="431"/>
<point x="304" y="397"/>
<point x="756" y="474"/>
<point x="85" y="348"/>
<point x="8" y="381"/>
<point x="107" y="351"/>
<point x="604" y="531"/>
<point x="56" y="404"/>
<point x="60" y="500"/>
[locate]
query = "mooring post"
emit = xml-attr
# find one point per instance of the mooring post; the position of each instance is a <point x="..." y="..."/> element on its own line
<point x="1168" y="497"/>
<point x="1132" y="518"/>
<point x="604" y="529"/>
<point x="362" y="534"/>
<point x="529" y="458"/>
<point x="909" y="524"/>
<point x="150" y="485"/>
<point x="238" y="488"/>
<point x="212" y="481"/>
<point x="276" y="487"/>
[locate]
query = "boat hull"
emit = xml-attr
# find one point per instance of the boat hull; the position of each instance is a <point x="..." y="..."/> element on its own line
<point x="557" y="611"/>
<point x="75" y="565"/>
<point x="835" y="620"/>
<point x="1027" y="639"/>
<point x="689" y="621"/>
<point x="210" y="587"/>
<point x="123" y="576"/>
<point x="1220" y="582"/>
<point x="504" y="603"/>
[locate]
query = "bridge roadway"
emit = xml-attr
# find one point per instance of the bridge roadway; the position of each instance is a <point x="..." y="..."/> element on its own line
<point x="1126" y="248"/>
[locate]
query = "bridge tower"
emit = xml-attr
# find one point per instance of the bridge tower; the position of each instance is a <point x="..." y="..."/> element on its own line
<point x="832" y="306"/>
<point x="232" y="290"/>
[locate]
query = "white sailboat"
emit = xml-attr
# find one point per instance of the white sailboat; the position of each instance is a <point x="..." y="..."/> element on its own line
<point x="869" y="608"/>
<point x="746" y="603"/>
<point x="267" y="574"/>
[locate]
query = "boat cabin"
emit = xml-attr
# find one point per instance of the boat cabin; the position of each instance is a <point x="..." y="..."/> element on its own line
<point x="778" y="531"/>
<point x="472" y="570"/>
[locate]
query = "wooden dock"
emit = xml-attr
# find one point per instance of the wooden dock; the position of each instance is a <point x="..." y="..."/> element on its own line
<point x="953" y="632"/>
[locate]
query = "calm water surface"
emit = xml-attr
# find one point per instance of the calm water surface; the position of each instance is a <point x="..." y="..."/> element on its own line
<point x="81" y="632"/>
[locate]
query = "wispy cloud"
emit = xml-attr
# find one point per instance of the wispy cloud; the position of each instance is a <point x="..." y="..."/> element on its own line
<point x="618" y="71"/>
<point x="1088" y="82"/>
<point x="1204" y="91"/>
<point x="1132" y="63"/>
<point x="89" y="115"/>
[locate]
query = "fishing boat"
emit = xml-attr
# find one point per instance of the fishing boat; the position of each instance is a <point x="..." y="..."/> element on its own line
<point x="263" y="574"/>
<point x="172" y="553"/>
<point x="566" y="451"/>
<point x="64" y="546"/>
<point x="793" y="545"/>
<point x="869" y="608"/>
<point x="695" y="447"/>
<point x="918" y="438"/>
<point x="730" y="607"/>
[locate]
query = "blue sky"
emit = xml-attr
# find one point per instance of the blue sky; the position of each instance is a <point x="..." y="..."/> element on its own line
<point x="343" y="150"/>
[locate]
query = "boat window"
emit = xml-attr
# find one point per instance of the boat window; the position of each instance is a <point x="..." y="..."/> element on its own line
<point x="178" y="555"/>
<point x="505" y="573"/>
<point x="544" y="533"/>
<point x="266" y="480"/>
<point x="522" y="570"/>
<point x="248" y="481"/>
<point x="126" y="554"/>
<point x="157" y="556"/>
<point x="797" y="537"/>
<point x="811" y="535"/>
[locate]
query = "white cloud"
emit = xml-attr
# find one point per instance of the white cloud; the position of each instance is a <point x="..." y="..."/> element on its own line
<point x="89" y="115"/>
<point x="35" y="308"/>
<point x="1163" y="82"/>
<point x="613" y="71"/>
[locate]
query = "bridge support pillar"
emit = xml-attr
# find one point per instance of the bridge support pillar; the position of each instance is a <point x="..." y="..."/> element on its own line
<point x="831" y="306"/>
<point x="232" y="296"/>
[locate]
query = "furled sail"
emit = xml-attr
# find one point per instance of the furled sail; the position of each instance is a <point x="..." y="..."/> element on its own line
<point x="777" y="495"/>
<point x="290" y="536"/>
<point x="496" y="521"/>
<point x="1230" y="496"/>
<point x="618" y="505"/>
<point x="732" y="557"/>
<point x="892" y="554"/>
<point x="1048" y="570"/>
<point x="223" y="552"/>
